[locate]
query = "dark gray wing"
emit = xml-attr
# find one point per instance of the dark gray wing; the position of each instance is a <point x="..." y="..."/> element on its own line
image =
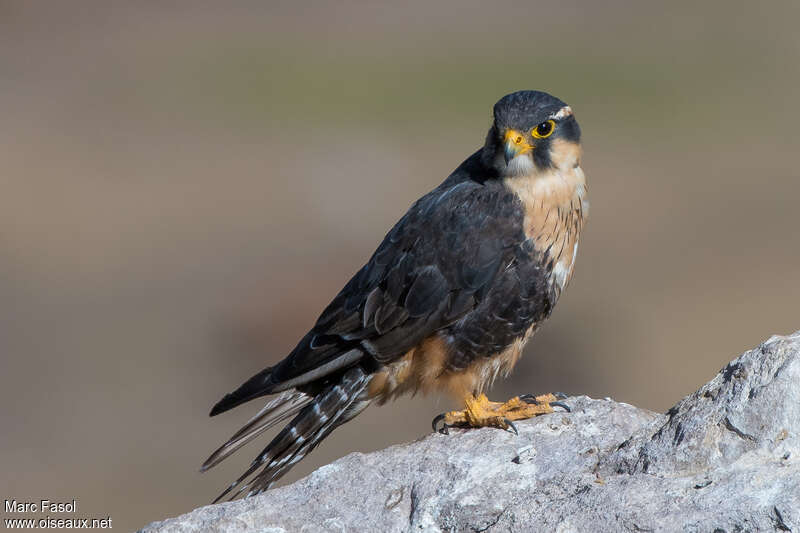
<point x="432" y="268"/>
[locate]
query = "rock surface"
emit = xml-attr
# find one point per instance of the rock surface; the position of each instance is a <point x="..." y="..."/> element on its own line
<point x="724" y="459"/>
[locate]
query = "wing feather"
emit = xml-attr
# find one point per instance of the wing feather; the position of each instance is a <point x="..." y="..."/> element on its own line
<point x="431" y="269"/>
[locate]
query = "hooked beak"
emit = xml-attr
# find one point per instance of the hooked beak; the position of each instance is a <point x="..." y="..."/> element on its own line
<point x="515" y="144"/>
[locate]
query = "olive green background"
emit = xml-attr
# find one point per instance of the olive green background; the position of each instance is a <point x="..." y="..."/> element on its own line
<point x="184" y="187"/>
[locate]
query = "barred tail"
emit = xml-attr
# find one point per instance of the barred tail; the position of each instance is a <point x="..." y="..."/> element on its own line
<point x="318" y="416"/>
<point x="277" y="410"/>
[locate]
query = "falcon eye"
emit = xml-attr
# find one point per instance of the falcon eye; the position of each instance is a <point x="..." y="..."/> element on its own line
<point x="545" y="129"/>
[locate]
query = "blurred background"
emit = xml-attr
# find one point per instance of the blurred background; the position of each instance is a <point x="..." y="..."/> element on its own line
<point x="185" y="186"/>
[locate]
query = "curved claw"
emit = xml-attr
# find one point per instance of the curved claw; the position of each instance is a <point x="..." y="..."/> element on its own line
<point x="562" y="405"/>
<point x="443" y="430"/>
<point x="511" y="426"/>
<point x="529" y="398"/>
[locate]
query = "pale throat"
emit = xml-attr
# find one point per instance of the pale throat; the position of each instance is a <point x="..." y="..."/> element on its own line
<point x="563" y="186"/>
<point x="521" y="166"/>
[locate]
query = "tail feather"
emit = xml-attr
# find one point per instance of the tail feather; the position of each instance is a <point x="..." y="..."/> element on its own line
<point x="271" y="380"/>
<point x="333" y="406"/>
<point x="354" y="409"/>
<point x="277" y="410"/>
<point x="256" y="386"/>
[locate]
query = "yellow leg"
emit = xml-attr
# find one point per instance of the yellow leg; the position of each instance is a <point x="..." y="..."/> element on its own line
<point x="480" y="412"/>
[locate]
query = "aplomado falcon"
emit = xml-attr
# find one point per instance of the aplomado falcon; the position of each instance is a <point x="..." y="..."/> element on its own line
<point x="446" y="302"/>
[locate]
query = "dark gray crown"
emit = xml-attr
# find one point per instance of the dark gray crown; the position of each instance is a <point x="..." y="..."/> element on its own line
<point x="524" y="109"/>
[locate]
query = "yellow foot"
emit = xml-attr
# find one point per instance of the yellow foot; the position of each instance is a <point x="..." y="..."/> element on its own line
<point x="480" y="412"/>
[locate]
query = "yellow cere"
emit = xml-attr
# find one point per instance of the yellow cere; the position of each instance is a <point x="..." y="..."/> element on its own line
<point x="514" y="137"/>
<point x="519" y="141"/>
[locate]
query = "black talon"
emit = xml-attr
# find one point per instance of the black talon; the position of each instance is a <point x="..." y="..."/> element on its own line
<point x="443" y="430"/>
<point x="562" y="405"/>
<point x="511" y="426"/>
<point x="529" y="398"/>
<point x="561" y="395"/>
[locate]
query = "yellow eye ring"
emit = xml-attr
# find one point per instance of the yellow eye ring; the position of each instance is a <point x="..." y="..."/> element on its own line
<point x="544" y="130"/>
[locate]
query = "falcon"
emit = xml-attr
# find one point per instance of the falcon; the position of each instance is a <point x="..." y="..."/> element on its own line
<point x="447" y="301"/>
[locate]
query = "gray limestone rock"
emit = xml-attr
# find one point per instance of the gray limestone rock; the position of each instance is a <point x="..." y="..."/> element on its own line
<point x="726" y="458"/>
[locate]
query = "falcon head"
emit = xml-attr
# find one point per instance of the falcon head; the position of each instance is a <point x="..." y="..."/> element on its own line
<point x="532" y="132"/>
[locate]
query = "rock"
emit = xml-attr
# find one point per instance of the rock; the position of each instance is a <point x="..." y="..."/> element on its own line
<point x="726" y="458"/>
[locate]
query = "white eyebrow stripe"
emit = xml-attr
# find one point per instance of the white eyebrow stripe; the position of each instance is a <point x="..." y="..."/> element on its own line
<point x="562" y="113"/>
